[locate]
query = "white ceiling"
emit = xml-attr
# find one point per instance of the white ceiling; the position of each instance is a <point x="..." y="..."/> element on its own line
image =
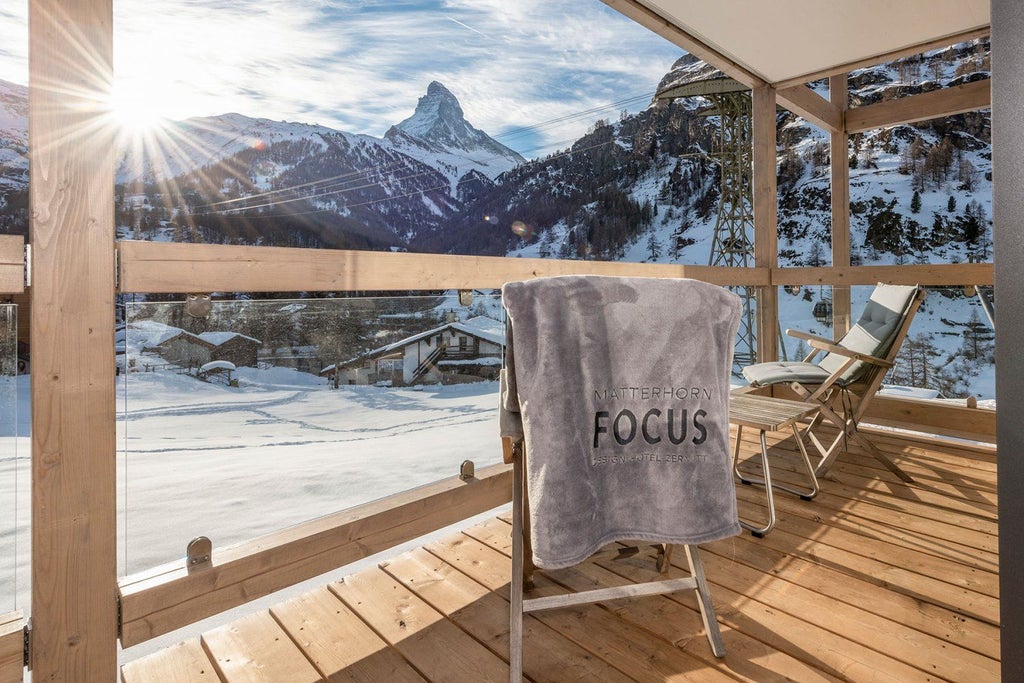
<point x="780" y="40"/>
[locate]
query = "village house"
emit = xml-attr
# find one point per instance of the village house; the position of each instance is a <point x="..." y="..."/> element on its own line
<point x="233" y="347"/>
<point x="459" y="351"/>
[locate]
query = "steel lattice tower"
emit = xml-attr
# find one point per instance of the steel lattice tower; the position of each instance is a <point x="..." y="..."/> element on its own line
<point x="733" y="243"/>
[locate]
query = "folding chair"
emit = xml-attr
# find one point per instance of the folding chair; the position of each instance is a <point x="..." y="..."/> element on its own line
<point x="615" y="416"/>
<point x="843" y="383"/>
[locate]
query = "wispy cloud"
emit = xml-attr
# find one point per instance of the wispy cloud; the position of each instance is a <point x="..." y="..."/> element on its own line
<point x="361" y="65"/>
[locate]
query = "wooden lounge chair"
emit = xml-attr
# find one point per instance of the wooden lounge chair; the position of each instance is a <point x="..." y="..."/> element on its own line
<point x="849" y="375"/>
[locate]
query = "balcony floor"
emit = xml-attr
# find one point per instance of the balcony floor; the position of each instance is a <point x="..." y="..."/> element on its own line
<point x="873" y="580"/>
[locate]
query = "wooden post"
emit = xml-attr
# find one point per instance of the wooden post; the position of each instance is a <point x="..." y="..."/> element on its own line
<point x="838" y="152"/>
<point x="766" y="232"/>
<point x="74" y="567"/>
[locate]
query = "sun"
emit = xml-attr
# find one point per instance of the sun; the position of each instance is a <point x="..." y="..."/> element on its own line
<point x="135" y="113"/>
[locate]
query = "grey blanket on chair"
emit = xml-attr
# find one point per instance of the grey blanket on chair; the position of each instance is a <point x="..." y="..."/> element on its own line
<point x="622" y="386"/>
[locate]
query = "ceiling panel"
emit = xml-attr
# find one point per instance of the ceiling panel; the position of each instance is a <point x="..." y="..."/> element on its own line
<point x="780" y="40"/>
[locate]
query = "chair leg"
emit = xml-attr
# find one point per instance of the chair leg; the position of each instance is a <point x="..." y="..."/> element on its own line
<point x="882" y="458"/>
<point x="664" y="557"/>
<point x="849" y="430"/>
<point x="707" y="609"/>
<point x="515" y="635"/>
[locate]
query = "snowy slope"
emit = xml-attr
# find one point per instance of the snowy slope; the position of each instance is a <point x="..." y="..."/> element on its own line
<point x="184" y="146"/>
<point x="948" y="162"/>
<point x="13" y="134"/>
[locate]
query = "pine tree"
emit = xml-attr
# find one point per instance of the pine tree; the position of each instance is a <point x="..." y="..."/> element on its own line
<point x="978" y="339"/>
<point x="940" y="233"/>
<point x="547" y="240"/>
<point x="653" y="246"/>
<point x="951" y="204"/>
<point x="966" y="173"/>
<point x="815" y="256"/>
<point x="915" y="202"/>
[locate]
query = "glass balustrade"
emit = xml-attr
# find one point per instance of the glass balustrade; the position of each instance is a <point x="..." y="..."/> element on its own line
<point x="241" y="417"/>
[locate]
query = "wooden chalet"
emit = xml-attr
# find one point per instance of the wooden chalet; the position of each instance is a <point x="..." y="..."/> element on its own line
<point x="457" y="351"/>
<point x="875" y="580"/>
<point x="239" y="349"/>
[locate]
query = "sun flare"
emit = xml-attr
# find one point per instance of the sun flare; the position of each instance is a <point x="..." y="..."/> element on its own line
<point x="135" y="113"/>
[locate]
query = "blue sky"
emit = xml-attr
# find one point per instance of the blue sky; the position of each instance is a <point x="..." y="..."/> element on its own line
<point x="360" y="65"/>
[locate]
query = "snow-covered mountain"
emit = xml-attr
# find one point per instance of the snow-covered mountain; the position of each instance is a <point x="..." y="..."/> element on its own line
<point x="636" y="188"/>
<point x="181" y="147"/>
<point x="639" y="189"/>
<point x="242" y="179"/>
<point x="13" y="134"/>
<point x="438" y="130"/>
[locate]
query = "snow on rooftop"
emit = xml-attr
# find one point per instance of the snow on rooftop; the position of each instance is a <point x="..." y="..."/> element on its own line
<point x="218" y="338"/>
<point x="217" y="365"/>
<point x="148" y="333"/>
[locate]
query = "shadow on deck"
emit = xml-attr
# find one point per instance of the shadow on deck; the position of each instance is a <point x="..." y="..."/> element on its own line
<point x="872" y="580"/>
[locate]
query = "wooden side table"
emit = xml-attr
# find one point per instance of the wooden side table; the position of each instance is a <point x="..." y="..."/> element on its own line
<point x="767" y="414"/>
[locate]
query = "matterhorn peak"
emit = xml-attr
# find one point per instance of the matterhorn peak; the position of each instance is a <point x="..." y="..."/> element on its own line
<point x="440" y="124"/>
<point x="436" y="113"/>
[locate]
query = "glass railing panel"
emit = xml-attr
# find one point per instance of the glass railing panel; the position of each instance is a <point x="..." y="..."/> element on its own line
<point x="949" y="351"/>
<point x="13" y="499"/>
<point x="263" y="414"/>
<point x="807" y="309"/>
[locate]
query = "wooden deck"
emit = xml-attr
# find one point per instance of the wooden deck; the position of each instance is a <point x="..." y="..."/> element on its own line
<point x="873" y="580"/>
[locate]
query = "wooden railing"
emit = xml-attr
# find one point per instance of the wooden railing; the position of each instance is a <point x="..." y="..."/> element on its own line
<point x="12" y="264"/>
<point x="12" y="646"/>
<point x="170" y="596"/>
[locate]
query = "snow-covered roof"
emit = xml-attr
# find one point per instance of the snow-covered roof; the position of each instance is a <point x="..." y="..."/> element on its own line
<point x="817" y="36"/>
<point x="218" y="338"/>
<point x="148" y="333"/>
<point x="217" y="365"/>
<point x="481" y="326"/>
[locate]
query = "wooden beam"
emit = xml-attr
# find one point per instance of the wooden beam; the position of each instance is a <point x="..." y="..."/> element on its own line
<point x="935" y="419"/>
<point x="803" y="101"/>
<point x="170" y="597"/>
<point x="12" y="647"/>
<point x="165" y="267"/>
<point x="12" y="264"/>
<point x="929" y="105"/>
<point x="936" y="274"/>
<point x="892" y="55"/>
<point x="71" y="197"/>
<point x="677" y="35"/>
<point x="838" y="93"/>
<point x="766" y="217"/>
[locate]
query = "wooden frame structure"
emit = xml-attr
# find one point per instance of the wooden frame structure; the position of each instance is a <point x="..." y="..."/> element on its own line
<point x="76" y="602"/>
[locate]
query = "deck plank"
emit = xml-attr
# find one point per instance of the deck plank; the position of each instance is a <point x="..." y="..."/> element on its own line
<point x="338" y="643"/>
<point x="255" y="649"/>
<point x="765" y="556"/>
<point x="895" y="503"/>
<point x="484" y="615"/>
<point x="875" y="579"/>
<point x="830" y="653"/>
<point x="972" y="548"/>
<point x="639" y="655"/>
<point x="430" y="642"/>
<point x="184" y="662"/>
